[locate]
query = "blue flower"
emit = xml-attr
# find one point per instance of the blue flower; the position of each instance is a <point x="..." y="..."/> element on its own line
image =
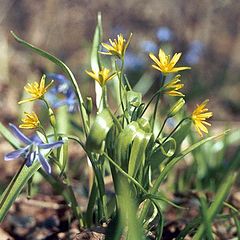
<point x="194" y="52"/>
<point x="133" y="61"/>
<point x="61" y="93"/>
<point x="149" y="46"/>
<point x="164" y="34"/>
<point x="33" y="150"/>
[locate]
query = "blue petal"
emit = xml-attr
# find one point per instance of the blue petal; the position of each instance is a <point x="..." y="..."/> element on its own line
<point x="36" y="139"/>
<point x="19" y="134"/>
<point x="51" y="145"/>
<point x="60" y="103"/>
<point x="44" y="163"/>
<point x="30" y="158"/>
<point x="15" y="154"/>
<point x="58" y="77"/>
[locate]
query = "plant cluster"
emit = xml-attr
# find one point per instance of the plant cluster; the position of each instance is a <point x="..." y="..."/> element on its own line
<point x="128" y="144"/>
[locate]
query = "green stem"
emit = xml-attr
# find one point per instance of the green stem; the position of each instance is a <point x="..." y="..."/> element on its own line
<point x="104" y="96"/>
<point x="172" y="132"/>
<point x="91" y="203"/>
<point x="128" y="84"/>
<point x="124" y="173"/>
<point x="99" y="177"/>
<point x="120" y="82"/>
<point x="155" y="111"/>
<point x="41" y="129"/>
<point x="52" y="118"/>
<point x="162" y="127"/>
<point x="150" y="101"/>
<point x="157" y="102"/>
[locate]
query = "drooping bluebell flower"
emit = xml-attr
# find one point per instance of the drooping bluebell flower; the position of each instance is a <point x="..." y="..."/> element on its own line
<point x="34" y="149"/>
<point x="194" y="53"/>
<point x="164" y="34"/>
<point x="61" y="93"/>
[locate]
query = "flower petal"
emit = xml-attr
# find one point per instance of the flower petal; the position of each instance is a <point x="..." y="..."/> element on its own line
<point x="44" y="163"/>
<point x="51" y="145"/>
<point x="15" y="154"/>
<point x="19" y="134"/>
<point x="58" y="77"/>
<point x="30" y="158"/>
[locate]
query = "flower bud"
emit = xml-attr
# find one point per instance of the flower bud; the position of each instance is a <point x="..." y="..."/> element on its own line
<point x="176" y="107"/>
<point x="88" y="105"/>
<point x="52" y="117"/>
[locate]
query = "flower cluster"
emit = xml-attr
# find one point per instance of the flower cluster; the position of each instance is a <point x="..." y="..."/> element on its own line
<point x="166" y="65"/>
<point x="121" y="143"/>
<point x="35" y="148"/>
<point x="62" y="93"/>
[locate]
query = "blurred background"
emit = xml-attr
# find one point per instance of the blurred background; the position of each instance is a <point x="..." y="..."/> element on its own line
<point x="207" y="32"/>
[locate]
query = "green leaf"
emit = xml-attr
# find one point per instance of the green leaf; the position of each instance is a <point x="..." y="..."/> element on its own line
<point x="137" y="156"/>
<point x="131" y="145"/>
<point x="62" y="119"/>
<point x="63" y="155"/>
<point x="15" y="187"/>
<point x="98" y="131"/>
<point x="176" y="159"/>
<point x="95" y="60"/>
<point x="20" y="179"/>
<point x="9" y="136"/>
<point x="168" y="168"/>
<point x="215" y="207"/>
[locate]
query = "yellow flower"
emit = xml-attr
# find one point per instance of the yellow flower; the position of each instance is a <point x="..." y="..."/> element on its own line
<point x="101" y="76"/>
<point x="165" y="63"/>
<point x="117" y="47"/>
<point x="36" y="90"/>
<point x="173" y="86"/>
<point x="30" y="121"/>
<point x="199" y="115"/>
